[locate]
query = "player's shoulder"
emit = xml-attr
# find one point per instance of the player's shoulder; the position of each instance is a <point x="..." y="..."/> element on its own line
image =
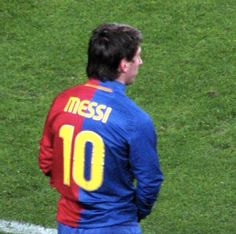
<point x="134" y="114"/>
<point x="138" y="112"/>
<point x="69" y="91"/>
<point x="139" y="122"/>
<point x="62" y="97"/>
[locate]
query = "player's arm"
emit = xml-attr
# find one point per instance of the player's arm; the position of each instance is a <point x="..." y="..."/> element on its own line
<point x="46" y="146"/>
<point x="145" y="165"/>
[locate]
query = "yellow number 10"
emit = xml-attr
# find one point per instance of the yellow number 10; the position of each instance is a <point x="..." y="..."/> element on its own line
<point x="78" y="163"/>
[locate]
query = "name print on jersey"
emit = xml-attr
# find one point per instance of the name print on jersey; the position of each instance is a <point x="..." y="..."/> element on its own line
<point x="88" y="109"/>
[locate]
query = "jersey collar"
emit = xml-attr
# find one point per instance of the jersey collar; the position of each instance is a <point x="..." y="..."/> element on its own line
<point x="109" y="86"/>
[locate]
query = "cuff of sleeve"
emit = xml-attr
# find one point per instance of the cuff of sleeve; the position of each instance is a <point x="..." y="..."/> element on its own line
<point x="143" y="210"/>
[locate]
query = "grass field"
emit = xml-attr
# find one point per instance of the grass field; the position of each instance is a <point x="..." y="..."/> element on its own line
<point x="187" y="83"/>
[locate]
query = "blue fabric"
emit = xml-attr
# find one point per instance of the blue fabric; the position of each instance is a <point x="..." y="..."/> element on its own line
<point x="123" y="229"/>
<point x="130" y="152"/>
<point x="119" y="147"/>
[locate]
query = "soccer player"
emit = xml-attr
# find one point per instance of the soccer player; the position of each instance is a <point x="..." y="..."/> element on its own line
<point x="97" y="142"/>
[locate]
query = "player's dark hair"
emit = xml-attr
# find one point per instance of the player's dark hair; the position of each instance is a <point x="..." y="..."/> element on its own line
<point x="108" y="45"/>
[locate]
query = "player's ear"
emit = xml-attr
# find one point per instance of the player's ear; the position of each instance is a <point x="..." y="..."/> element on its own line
<point x="123" y="66"/>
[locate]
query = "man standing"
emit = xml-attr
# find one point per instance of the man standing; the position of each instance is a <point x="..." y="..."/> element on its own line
<point x="96" y="142"/>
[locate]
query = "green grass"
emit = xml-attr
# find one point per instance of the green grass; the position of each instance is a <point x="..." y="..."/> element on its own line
<point x="187" y="83"/>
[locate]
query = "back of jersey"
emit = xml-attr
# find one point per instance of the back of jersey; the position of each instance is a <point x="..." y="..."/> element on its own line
<point x="87" y="130"/>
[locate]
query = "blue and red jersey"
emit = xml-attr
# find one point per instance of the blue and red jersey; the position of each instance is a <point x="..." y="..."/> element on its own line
<point x="95" y="143"/>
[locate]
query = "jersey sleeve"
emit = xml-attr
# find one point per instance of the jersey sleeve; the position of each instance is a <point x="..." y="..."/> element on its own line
<point x="46" y="144"/>
<point x="145" y="165"/>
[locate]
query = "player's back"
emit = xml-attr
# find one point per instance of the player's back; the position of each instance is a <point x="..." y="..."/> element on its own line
<point x="91" y="125"/>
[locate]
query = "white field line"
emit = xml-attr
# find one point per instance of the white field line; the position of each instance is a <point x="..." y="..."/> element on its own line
<point x="24" y="228"/>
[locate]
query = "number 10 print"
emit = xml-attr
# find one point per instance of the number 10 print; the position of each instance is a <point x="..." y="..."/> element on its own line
<point x="77" y="166"/>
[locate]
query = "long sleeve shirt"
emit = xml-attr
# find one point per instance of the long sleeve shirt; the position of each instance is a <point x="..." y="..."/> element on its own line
<point x="96" y="142"/>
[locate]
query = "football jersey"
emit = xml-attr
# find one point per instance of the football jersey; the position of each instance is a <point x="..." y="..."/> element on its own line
<point x="96" y="142"/>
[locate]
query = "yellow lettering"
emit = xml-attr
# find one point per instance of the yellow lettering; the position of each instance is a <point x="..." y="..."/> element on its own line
<point x="99" y="111"/>
<point x="91" y="110"/>
<point x="83" y="107"/>
<point x="97" y="164"/>
<point x="74" y="158"/>
<point x="87" y="109"/>
<point x="66" y="133"/>
<point x="106" y="114"/>
<point x="72" y="105"/>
